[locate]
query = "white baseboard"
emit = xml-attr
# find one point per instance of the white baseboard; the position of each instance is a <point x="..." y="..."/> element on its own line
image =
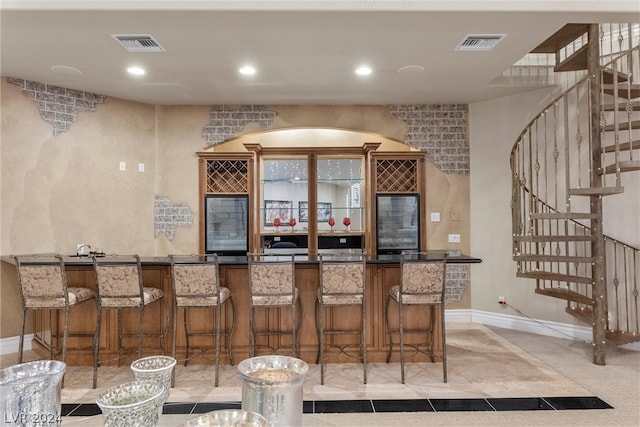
<point x="11" y="344"/>
<point x="540" y="327"/>
<point x="535" y="326"/>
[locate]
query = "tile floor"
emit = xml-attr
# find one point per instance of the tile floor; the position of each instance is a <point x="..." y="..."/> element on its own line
<point x="491" y="371"/>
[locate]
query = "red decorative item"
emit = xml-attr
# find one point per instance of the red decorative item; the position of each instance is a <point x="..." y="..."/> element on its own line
<point x="347" y="222"/>
<point x="292" y="223"/>
<point x="276" y="223"/>
<point x="332" y="222"/>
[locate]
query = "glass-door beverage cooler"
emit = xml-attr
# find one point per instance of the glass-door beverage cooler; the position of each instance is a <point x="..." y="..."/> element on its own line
<point x="227" y="224"/>
<point x="397" y="223"/>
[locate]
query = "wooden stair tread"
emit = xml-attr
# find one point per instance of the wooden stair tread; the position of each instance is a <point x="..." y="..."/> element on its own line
<point x="577" y="61"/>
<point x="565" y="294"/>
<point x="621" y="337"/>
<point x="561" y="38"/>
<point x="635" y="106"/>
<point x="624" y="91"/>
<point x="635" y="124"/>
<point x="553" y="238"/>
<point x="625" y="146"/>
<point x="625" y="166"/>
<point x="552" y="258"/>
<point x="596" y="191"/>
<point x="615" y="337"/>
<point x="558" y="277"/>
<point x="607" y="76"/>
<point x="563" y="215"/>
<point x="583" y="313"/>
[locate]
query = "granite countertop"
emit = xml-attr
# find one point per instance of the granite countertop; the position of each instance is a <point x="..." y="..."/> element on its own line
<point x="72" y="260"/>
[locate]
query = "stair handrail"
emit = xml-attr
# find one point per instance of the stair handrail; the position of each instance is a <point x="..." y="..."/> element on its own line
<point x="560" y="127"/>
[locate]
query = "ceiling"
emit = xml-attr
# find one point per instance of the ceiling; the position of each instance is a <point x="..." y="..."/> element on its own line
<point x="305" y="51"/>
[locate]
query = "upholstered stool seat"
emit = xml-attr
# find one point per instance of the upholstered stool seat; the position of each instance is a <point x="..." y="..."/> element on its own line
<point x="341" y="284"/>
<point x="120" y="286"/>
<point x="422" y="283"/>
<point x="272" y="284"/>
<point x="43" y="286"/>
<point x="196" y="285"/>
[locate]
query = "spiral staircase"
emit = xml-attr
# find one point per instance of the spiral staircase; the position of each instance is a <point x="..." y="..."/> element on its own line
<point x="570" y="165"/>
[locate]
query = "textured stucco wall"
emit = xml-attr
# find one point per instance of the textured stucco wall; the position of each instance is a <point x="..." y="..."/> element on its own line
<point x="64" y="188"/>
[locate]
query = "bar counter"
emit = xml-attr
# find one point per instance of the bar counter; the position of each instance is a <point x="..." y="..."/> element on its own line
<point x="382" y="273"/>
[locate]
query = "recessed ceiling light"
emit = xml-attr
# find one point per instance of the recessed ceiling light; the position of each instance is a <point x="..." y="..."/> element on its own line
<point x="247" y="70"/>
<point x="136" y="71"/>
<point x="363" y="71"/>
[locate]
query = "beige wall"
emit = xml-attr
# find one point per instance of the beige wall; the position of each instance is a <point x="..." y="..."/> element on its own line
<point x="63" y="190"/>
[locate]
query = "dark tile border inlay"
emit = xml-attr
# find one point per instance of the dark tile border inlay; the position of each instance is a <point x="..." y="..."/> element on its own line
<point x="204" y="407"/>
<point x="178" y="408"/>
<point x="68" y="408"/>
<point x="342" y="406"/>
<point x="86" y="410"/>
<point x="521" y="404"/>
<point x="412" y="405"/>
<point x="590" y="402"/>
<point x="459" y="405"/>
<point x="379" y="405"/>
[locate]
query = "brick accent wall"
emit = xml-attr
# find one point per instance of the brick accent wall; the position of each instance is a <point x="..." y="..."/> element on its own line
<point x="58" y="106"/>
<point x="169" y="216"/>
<point x="441" y="131"/>
<point x="458" y="279"/>
<point x="228" y="121"/>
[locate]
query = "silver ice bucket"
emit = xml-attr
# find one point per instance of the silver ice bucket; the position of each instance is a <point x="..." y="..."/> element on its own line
<point x="272" y="387"/>
<point x="30" y="393"/>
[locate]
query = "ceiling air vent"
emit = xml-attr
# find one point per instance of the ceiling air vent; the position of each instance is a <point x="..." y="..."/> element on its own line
<point x="138" y="42"/>
<point x="479" y="42"/>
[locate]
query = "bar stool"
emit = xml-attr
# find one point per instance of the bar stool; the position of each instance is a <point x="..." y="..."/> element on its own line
<point x="272" y="284"/>
<point x="341" y="284"/>
<point x="43" y="286"/>
<point x="422" y="282"/>
<point x="119" y="285"/>
<point x="196" y="284"/>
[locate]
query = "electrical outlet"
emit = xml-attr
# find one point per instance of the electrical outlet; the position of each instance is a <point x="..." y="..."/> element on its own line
<point x="435" y="216"/>
<point x="123" y="166"/>
<point x="454" y="238"/>
<point x="501" y="300"/>
<point x="140" y="167"/>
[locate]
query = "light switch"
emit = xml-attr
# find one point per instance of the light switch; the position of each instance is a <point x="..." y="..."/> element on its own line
<point x="123" y="166"/>
<point x="435" y="216"/>
<point x="140" y="167"/>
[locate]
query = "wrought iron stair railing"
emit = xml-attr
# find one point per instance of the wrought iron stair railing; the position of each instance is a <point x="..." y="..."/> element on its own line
<point x="556" y="159"/>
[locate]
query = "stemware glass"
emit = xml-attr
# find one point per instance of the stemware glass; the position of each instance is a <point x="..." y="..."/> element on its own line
<point x="292" y="223"/>
<point x="347" y="222"/>
<point x="332" y="222"/>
